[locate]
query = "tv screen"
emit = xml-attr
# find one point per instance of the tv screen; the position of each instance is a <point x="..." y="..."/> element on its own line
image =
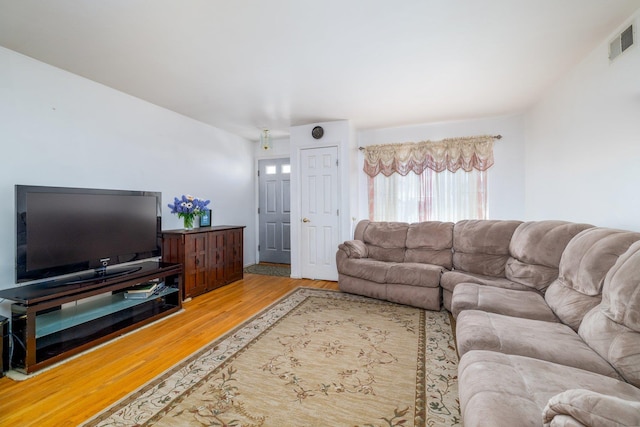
<point x="67" y="230"/>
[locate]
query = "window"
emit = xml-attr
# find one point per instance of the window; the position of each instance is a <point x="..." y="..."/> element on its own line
<point x="430" y="196"/>
<point x="429" y="181"/>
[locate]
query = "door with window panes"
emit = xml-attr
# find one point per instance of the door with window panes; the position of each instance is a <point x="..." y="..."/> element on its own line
<point x="274" y="210"/>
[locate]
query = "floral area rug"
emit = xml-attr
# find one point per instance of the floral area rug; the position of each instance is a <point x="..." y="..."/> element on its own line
<point x="314" y="358"/>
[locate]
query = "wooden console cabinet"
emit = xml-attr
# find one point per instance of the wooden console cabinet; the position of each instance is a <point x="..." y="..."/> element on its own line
<point x="53" y="320"/>
<point x="211" y="257"/>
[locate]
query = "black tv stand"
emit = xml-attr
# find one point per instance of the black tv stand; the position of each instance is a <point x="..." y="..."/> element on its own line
<point x="50" y="324"/>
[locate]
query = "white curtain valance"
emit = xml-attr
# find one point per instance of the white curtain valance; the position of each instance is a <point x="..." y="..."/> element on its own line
<point x="475" y="152"/>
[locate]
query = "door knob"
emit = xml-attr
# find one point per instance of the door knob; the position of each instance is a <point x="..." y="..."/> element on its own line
<point x="306" y="220"/>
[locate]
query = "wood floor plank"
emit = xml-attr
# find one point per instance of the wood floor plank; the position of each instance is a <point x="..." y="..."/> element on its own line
<point x="68" y="394"/>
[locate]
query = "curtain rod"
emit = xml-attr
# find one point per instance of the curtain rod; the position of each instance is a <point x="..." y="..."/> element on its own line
<point x="494" y="137"/>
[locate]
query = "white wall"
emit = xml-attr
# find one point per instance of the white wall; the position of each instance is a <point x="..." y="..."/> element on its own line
<point x="583" y="143"/>
<point x="59" y="129"/>
<point x="505" y="177"/>
<point x="279" y="149"/>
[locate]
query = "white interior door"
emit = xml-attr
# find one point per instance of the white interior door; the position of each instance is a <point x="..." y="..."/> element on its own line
<point x="319" y="213"/>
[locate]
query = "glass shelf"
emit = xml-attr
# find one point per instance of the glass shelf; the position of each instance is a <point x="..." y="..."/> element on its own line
<point x="85" y="311"/>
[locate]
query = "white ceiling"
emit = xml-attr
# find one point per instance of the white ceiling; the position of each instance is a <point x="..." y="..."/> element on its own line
<point x="244" y="65"/>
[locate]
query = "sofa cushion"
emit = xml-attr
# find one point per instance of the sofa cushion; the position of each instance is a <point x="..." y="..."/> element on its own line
<point x="590" y="255"/>
<point x="386" y="241"/>
<point x="535" y="251"/>
<point x="583" y="266"/>
<point x="356" y="285"/>
<point x="510" y="302"/>
<point x="358" y="233"/>
<point x="415" y="274"/>
<point x="427" y="298"/>
<point x="430" y="242"/>
<point x="416" y="296"/>
<point x="588" y="408"/>
<point x="570" y="306"/>
<point x="613" y="328"/>
<point x="619" y="345"/>
<point x="621" y="290"/>
<point x="553" y="342"/>
<point x="482" y="246"/>
<point x="450" y="279"/>
<point x="507" y="390"/>
<point x="366" y="268"/>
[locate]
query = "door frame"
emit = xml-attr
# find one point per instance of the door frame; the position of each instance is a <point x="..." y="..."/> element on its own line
<point x="256" y="168"/>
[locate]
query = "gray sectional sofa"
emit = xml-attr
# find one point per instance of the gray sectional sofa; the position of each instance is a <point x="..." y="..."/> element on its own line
<point x="397" y="262"/>
<point x="547" y="312"/>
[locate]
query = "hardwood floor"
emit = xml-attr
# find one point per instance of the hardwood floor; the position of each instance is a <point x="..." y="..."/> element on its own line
<point x="70" y="393"/>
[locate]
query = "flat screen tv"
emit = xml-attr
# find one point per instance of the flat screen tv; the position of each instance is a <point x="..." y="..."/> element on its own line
<point x="90" y="232"/>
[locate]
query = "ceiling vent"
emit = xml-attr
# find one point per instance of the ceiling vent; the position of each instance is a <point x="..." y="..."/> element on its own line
<point x="621" y="43"/>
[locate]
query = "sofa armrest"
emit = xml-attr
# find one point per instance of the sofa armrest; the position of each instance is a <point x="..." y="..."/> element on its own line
<point x="355" y="249"/>
<point x="565" y="421"/>
<point x="591" y="409"/>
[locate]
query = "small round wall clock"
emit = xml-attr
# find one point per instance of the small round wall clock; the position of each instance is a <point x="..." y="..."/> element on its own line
<point x="317" y="132"/>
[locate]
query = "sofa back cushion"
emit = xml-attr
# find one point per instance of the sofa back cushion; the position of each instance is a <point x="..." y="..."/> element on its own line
<point x="386" y="240"/>
<point x="612" y="328"/>
<point x="535" y="251"/>
<point x="358" y="233"/>
<point x="583" y="266"/>
<point x="430" y="242"/>
<point x="482" y="246"/>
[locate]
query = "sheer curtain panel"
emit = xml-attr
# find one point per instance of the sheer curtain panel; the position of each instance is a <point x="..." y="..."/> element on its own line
<point x="429" y="181"/>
